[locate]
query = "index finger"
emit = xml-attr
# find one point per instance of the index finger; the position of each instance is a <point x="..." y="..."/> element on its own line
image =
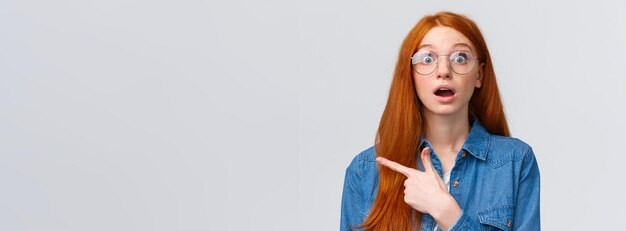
<point x="394" y="166"/>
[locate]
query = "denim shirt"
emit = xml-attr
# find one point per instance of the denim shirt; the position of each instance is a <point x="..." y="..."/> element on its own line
<point x="495" y="181"/>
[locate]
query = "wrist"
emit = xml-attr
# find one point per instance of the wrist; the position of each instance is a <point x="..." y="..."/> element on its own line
<point x="447" y="213"/>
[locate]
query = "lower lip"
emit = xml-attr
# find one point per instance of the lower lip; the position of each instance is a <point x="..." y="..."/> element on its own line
<point x="445" y="99"/>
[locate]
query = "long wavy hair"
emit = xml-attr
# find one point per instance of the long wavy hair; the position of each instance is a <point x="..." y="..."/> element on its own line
<point x="402" y="123"/>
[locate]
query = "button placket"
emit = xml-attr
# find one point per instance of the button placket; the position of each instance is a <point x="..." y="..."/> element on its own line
<point x="456" y="183"/>
<point x="455" y="176"/>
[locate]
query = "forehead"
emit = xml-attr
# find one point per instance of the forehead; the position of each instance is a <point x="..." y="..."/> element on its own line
<point x="442" y="38"/>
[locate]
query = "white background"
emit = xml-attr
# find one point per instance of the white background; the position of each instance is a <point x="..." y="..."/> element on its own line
<point x="243" y="115"/>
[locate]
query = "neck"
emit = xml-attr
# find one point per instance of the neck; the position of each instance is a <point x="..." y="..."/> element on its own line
<point x="447" y="133"/>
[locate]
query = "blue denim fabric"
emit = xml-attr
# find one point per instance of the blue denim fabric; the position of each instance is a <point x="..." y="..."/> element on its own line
<point x="498" y="184"/>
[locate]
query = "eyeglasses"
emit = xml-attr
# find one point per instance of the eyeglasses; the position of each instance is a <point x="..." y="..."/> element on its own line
<point x="425" y="62"/>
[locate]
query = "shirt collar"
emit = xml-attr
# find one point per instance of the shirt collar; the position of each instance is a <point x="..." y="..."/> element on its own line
<point x="477" y="142"/>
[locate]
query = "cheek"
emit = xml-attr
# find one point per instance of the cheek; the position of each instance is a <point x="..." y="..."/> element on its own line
<point x="421" y="87"/>
<point x="469" y="87"/>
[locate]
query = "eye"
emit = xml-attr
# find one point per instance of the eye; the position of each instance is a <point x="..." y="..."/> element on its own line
<point x="425" y="57"/>
<point x="459" y="57"/>
<point x="428" y="59"/>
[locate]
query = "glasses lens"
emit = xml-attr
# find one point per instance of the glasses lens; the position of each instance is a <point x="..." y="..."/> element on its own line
<point x="424" y="62"/>
<point x="462" y="62"/>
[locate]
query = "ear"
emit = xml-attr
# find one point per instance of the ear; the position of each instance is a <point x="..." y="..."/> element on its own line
<point x="479" y="80"/>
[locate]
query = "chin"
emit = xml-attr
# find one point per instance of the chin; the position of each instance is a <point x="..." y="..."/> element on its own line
<point x="444" y="110"/>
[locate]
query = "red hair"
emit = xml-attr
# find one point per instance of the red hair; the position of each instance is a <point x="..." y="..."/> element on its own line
<point x="402" y="124"/>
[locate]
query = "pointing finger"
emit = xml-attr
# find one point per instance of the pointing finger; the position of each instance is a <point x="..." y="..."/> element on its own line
<point x="395" y="166"/>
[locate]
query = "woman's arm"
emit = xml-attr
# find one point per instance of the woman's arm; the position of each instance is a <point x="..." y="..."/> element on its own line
<point x="352" y="200"/>
<point x="527" y="207"/>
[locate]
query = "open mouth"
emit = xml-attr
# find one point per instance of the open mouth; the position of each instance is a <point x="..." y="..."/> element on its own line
<point x="444" y="92"/>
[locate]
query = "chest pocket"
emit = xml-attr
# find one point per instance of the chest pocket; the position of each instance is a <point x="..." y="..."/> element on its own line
<point x="497" y="218"/>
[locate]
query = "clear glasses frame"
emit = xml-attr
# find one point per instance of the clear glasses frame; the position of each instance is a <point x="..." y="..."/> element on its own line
<point x="460" y="61"/>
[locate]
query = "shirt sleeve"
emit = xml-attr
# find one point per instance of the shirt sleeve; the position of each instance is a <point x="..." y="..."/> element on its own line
<point x="527" y="205"/>
<point x="352" y="200"/>
<point x="527" y="211"/>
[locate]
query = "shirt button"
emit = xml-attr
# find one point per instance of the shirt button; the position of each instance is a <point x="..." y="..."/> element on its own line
<point x="463" y="154"/>
<point x="456" y="184"/>
<point x="509" y="223"/>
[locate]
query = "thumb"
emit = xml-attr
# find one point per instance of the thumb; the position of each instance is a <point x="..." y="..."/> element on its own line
<point x="428" y="165"/>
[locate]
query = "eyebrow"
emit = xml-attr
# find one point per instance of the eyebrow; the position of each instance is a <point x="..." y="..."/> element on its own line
<point x="455" y="45"/>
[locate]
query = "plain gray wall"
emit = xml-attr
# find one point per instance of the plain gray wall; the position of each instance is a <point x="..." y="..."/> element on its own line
<point x="241" y="115"/>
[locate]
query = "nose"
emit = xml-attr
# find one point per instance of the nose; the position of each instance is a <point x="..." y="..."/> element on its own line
<point x="443" y="69"/>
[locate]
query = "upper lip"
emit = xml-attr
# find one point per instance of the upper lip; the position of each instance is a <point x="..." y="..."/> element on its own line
<point x="444" y="86"/>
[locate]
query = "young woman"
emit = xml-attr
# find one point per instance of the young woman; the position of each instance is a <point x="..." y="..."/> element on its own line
<point x="443" y="158"/>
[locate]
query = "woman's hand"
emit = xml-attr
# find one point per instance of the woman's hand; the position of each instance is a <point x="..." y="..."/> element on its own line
<point x="425" y="191"/>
